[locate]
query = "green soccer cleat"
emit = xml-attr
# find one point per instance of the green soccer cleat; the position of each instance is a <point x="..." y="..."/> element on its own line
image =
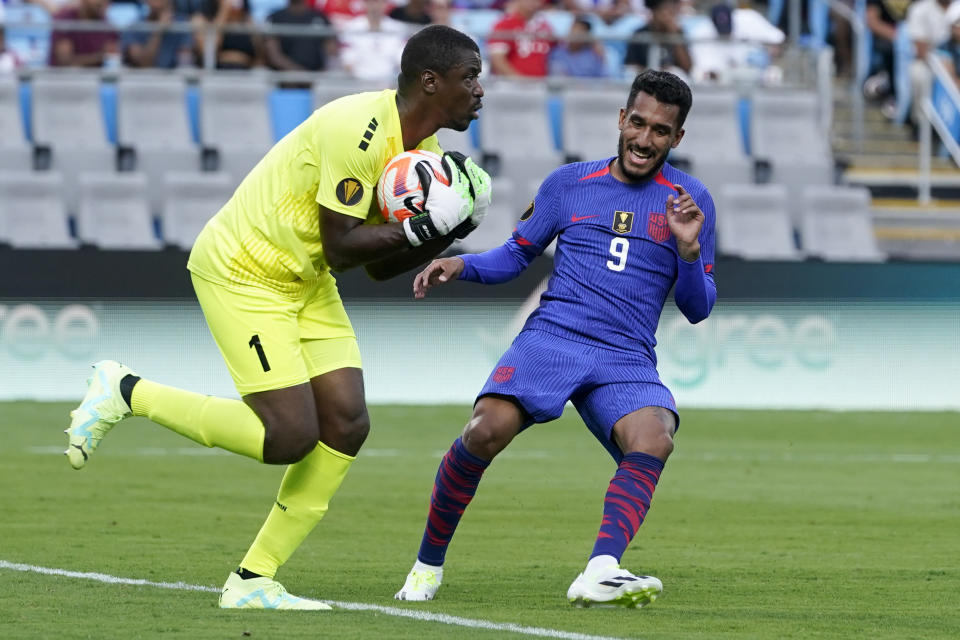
<point x="614" y="587"/>
<point x="263" y="593"/>
<point x="420" y="585"/>
<point x="102" y="407"/>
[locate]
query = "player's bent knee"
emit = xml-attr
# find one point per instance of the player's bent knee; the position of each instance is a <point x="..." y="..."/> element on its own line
<point x="289" y="444"/>
<point x="346" y="433"/>
<point x="484" y="438"/>
<point x="659" y="446"/>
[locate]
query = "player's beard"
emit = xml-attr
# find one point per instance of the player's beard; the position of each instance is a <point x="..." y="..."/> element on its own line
<point x="637" y="177"/>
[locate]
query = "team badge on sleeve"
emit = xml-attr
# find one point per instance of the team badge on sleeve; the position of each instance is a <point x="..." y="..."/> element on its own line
<point x="503" y="374"/>
<point x="657" y="227"/>
<point x="623" y="221"/>
<point x="349" y="191"/>
<point x="529" y="212"/>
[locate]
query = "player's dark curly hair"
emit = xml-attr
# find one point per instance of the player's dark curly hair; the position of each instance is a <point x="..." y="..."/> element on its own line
<point x="434" y="47"/>
<point x="665" y="87"/>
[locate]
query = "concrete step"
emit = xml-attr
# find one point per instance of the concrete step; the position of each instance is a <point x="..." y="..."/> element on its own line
<point x="908" y="230"/>
<point x="874" y="131"/>
<point x="898" y="162"/>
<point x="903" y="182"/>
<point x="875" y="146"/>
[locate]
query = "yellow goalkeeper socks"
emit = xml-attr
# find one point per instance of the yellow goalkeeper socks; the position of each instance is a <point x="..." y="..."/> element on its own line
<point x="301" y="502"/>
<point x="210" y="421"/>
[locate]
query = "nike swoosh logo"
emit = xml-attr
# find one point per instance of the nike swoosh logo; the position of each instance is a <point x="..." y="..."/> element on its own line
<point x="579" y="218"/>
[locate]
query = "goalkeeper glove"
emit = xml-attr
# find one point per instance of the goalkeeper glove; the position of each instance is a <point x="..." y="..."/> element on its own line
<point x="480" y="188"/>
<point x="445" y="206"/>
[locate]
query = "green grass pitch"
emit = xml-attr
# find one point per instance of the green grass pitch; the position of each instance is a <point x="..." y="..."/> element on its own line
<point x="766" y="524"/>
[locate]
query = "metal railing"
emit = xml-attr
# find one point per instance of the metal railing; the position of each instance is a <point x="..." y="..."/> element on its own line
<point x="932" y="120"/>
<point x="858" y="27"/>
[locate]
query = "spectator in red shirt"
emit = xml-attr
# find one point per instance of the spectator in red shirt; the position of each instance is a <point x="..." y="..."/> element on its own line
<point x="83" y="48"/>
<point x="521" y="41"/>
<point x="340" y="11"/>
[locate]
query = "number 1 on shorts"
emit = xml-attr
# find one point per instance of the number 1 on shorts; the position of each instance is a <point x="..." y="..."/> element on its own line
<point x="255" y="343"/>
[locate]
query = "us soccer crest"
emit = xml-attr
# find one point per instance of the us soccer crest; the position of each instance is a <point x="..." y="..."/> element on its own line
<point x="623" y="221"/>
<point x="657" y="227"/>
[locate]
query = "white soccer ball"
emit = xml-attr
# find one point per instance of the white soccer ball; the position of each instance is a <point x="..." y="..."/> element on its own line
<point x="401" y="185"/>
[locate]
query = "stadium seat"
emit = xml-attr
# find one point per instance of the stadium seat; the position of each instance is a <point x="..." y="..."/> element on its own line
<point x="15" y="152"/>
<point x="288" y="109"/>
<point x="559" y="20"/>
<point x="191" y="200"/>
<point x="501" y="218"/>
<point x="754" y="222"/>
<point x="614" y="38"/>
<point x="68" y="120"/>
<point x="28" y="33"/>
<point x="32" y="213"/>
<point x="516" y="136"/>
<point x="260" y="9"/>
<point x="235" y="121"/>
<point x="475" y="22"/>
<point x="152" y="120"/>
<point x="837" y="224"/>
<point x="788" y="125"/>
<point x="114" y="212"/>
<point x="590" y="120"/>
<point x="124" y="14"/>
<point x="902" y="56"/>
<point x="789" y="131"/>
<point x="516" y="122"/>
<point x="327" y="89"/>
<point x="712" y="144"/>
<point x="462" y="141"/>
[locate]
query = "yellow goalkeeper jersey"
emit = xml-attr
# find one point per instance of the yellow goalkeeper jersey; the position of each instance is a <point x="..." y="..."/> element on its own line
<point x="268" y="233"/>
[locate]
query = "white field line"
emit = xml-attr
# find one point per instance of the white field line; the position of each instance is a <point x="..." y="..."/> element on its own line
<point x="424" y="616"/>
<point x="910" y="458"/>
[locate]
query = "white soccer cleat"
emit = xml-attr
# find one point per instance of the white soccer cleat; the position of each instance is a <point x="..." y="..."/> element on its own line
<point x="420" y="585"/>
<point x="614" y="587"/>
<point x="102" y="407"/>
<point x="264" y="593"/>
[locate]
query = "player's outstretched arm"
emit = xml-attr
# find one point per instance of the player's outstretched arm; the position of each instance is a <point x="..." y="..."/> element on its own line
<point x="437" y="272"/>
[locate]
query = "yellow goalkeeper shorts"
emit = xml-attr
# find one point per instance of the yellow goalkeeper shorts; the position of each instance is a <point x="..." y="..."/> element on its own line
<point x="273" y="341"/>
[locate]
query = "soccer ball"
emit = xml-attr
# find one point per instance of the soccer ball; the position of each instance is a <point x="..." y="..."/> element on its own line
<point x="400" y="189"/>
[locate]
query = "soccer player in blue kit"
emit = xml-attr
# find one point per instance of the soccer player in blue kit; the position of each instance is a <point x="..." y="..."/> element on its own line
<point x="628" y="229"/>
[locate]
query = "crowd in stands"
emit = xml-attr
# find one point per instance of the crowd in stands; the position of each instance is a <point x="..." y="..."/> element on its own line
<point x="530" y="38"/>
<point x="704" y="40"/>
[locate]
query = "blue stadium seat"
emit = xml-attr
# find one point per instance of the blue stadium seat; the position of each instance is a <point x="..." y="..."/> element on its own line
<point x="902" y="56"/>
<point x="475" y="22"/>
<point x="123" y="14"/>
<point x="28" y="33"/>
<point x="614" y="38"/>
<point x="260" y="9"/>
<point x="559" y="21"/>
<point x="288" y="108"/>
<point x="865" y="45"/>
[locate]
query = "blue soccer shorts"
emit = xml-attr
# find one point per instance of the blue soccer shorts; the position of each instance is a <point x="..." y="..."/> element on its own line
<point x="542" y="371"/>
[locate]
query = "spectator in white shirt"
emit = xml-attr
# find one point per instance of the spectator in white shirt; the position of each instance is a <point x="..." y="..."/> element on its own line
<point x="372" y="44"/>
<point x="928" y="28"/>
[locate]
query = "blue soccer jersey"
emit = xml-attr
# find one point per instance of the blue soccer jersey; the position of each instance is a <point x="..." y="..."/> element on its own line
<point x="615" y="260"/>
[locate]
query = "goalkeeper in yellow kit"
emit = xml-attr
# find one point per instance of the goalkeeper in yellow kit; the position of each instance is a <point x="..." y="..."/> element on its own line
<point x="261" y="271"/>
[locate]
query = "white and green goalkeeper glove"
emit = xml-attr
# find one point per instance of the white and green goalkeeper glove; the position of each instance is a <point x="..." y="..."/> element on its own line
<point x="480" y="187"/>
<point x="445" y="206"/>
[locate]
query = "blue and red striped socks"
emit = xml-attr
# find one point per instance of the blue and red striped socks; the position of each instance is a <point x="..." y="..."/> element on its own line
<point x="626" y="503"/>
<point x="456" y="482"/>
